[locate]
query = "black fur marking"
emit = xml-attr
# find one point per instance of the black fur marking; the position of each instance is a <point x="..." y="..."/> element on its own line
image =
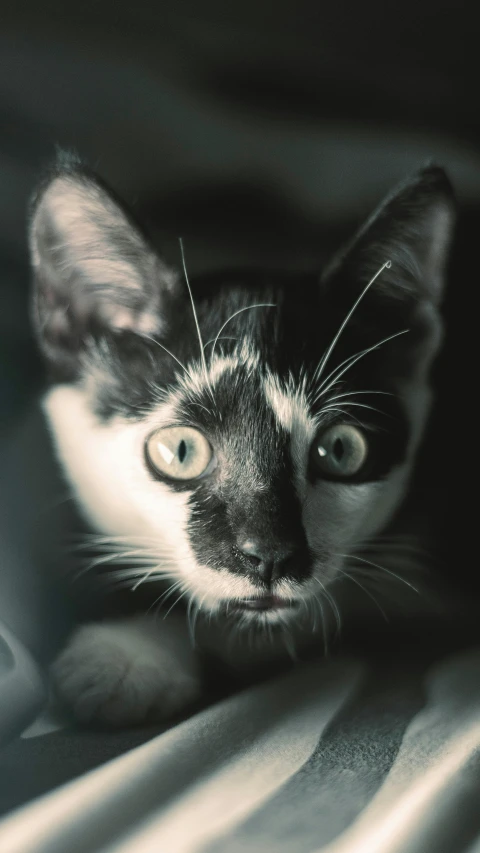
<point x="249" y="496"/>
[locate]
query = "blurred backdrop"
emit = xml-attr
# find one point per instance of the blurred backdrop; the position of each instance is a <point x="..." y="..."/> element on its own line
<point x="261" y="132"/>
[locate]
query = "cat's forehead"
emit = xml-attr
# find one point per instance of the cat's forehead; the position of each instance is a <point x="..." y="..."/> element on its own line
<point x="242" y="385"/>
<point x="255" y="416"/>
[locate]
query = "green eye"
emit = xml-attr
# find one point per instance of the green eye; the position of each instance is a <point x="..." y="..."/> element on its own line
<point x="181" y="453"/>
<point x="340" y="451"/>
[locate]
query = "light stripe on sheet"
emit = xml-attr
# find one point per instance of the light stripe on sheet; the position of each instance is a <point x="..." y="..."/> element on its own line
<point x="143" y="788"/>
<point x="430" y="800"/>
<point x="348" y="765"/>
<point x="331" y="758"/>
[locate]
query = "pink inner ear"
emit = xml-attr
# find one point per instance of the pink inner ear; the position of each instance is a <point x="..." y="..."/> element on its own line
<point x="95" y="263"/>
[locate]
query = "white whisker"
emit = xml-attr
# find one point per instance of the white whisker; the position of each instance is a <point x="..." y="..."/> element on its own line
<point x="125" y="577"/>
<point x="155" y="573"/>
<point x="108" y="558"/>
<point x="357" y="393"/>
<point x="338" y="410"/>
<point x="165" y="595"/>
<point x="192" y="615"/>
<point x="289" y="644"/>
<point x="222" y="338"/>
<point x="333" y="606"/>
<point x="353" y="360"/>
<point x="381" y="568"/>
<point x="162" y="346"/>
<point x="365" y="590"/>
<point x="355" y="405"/>
<point x="202" y="348"/>
<point x="324" y="360"/>
<point x="185" y="592"/>
<point x="235" y="314"/>
<point x="94" y="541"/>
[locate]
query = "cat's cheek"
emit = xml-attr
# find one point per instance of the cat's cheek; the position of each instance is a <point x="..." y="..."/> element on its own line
<point x="337" y="516"/>
<point x="385" y="501"/>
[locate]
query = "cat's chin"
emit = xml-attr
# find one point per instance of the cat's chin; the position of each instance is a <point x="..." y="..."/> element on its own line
<point x="260" y="608"/>
<point x="263" y="603"/>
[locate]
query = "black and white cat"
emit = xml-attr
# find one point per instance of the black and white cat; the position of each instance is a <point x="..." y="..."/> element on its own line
<point x="243" y="439"/>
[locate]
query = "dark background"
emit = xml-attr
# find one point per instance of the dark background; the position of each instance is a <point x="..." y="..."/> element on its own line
<point x="263" y="133"/>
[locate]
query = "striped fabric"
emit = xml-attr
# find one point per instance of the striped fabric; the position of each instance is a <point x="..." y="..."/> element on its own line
<point x="333" y="757"/>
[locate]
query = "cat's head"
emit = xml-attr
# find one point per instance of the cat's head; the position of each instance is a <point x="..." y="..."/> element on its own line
<point x="245" y="437"/>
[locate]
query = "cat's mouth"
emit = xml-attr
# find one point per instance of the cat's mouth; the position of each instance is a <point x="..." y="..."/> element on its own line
<point x="262" y="603"/>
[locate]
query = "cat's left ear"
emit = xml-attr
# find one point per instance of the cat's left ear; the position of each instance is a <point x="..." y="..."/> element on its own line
<point x="413" y="230"/>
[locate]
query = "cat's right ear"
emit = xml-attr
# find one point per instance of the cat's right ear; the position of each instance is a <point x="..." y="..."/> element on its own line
<point x="94" y="270"/>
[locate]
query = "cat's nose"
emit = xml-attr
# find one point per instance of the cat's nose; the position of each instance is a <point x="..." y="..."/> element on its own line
<point x="267" y="563"/>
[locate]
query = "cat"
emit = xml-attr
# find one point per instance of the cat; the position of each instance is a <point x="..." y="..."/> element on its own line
<point x="240" y="439"/>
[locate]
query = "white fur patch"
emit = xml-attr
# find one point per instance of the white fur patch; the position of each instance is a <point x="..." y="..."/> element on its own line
<point x="290" y="406"/>
<point x="105" y="465"/>
<point x="195" y="380"/>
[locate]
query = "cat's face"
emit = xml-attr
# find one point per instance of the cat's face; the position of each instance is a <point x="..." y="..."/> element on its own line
<point x="243" y="446"/>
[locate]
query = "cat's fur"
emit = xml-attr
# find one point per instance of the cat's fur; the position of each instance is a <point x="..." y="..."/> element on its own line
<point x="119" y="333"/>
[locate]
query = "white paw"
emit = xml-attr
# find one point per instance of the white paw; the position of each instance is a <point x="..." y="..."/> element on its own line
<point x="120" y="673"/>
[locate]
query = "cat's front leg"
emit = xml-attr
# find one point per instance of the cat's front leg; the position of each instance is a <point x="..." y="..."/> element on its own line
<point x="126" y="672"/>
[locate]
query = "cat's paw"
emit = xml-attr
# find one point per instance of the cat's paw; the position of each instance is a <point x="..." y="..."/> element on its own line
<point x="120" y="674"/>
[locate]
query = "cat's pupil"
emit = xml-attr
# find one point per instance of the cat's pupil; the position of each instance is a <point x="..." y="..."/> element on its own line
<point x="338" y="449"/>
<point x="182" y="450"/>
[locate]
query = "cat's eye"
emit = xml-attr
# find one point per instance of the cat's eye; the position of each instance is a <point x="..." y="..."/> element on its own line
<point x="181" y="453"/>
<point x="340" y="451"/>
